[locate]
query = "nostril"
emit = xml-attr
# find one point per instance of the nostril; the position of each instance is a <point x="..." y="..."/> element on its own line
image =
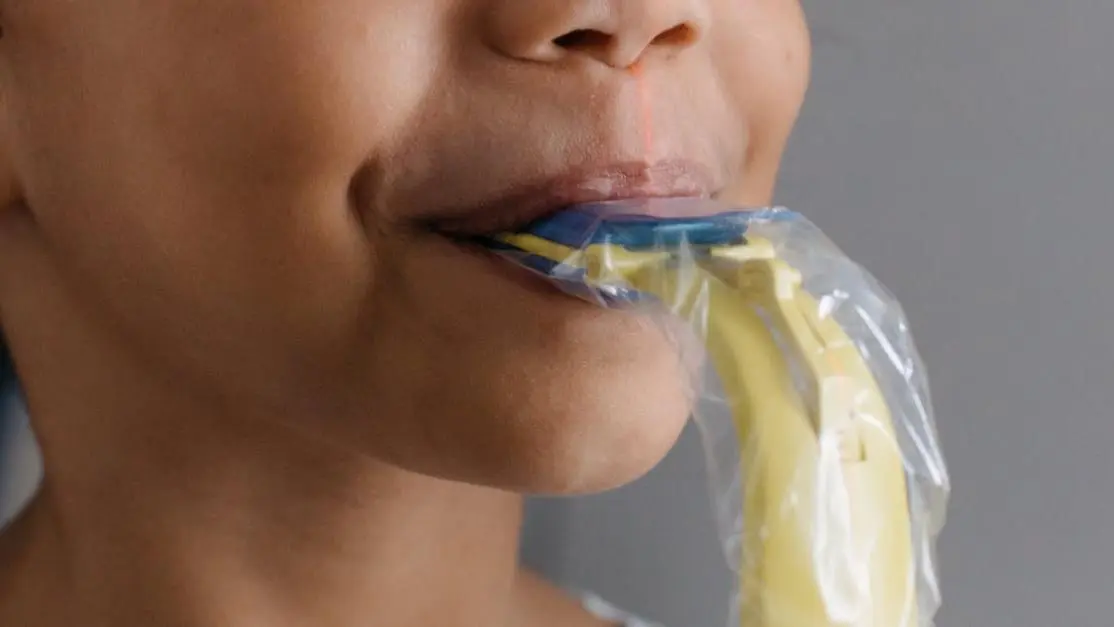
<point x="582" y="39"/>
<point x="679" y="36"/>
<point x="585" y="38"/>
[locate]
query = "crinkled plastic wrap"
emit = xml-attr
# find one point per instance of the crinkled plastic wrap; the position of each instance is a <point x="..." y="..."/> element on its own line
<point x="827" y="479"/>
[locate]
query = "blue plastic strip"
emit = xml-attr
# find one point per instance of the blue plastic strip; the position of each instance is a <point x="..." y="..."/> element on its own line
<point x="573" y="228"/>
<point x="639" y="233"/>
<point x="592" y="224"/>
<point x="588" y="225"/>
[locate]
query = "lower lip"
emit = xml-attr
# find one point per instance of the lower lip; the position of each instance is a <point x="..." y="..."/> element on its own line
<point x="522" y="276"/>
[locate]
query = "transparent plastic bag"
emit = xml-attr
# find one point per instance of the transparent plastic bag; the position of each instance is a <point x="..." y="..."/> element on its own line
<point x="826" y="475"/>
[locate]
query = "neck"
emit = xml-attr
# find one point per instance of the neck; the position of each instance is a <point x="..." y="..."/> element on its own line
<point x="203" y="522"/>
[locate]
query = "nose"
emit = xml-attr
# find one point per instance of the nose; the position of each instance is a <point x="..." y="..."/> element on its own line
<point x="618" y="33"/>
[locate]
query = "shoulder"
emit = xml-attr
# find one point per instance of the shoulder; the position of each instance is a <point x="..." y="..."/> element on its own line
<point x="542" y="604"/>
<point x="601" y="609"/>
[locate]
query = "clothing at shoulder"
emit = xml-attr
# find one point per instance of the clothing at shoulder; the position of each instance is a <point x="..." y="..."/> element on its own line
<point x="608" y="612"/>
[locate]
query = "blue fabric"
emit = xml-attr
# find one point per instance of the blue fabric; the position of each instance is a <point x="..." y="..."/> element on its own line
<point x="7" y="422"/>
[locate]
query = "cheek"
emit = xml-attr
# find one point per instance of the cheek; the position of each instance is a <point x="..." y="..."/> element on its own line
<point x="766" y="68"/>
<point x="198" y="191"/>
<point x="231" y="95"/>
<point x="287" y="93"/>
<point x="773" y="73"/>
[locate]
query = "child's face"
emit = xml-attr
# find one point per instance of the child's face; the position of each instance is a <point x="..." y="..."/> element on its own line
<point x="246" y="188"/>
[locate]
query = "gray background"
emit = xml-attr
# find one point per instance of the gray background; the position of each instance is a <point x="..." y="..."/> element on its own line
<point x="963" y="152"/>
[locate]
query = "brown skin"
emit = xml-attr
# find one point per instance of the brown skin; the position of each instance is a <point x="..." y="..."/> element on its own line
<point x="266" y="392"/>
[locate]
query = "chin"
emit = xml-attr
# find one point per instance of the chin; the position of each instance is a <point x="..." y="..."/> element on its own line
<point x="600" y="424"/>
<point x="504" y="382"/>
<point x="602" y="452"/>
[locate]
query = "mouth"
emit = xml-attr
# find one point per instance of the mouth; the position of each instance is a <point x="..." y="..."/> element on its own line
<point x="513" y="209"/>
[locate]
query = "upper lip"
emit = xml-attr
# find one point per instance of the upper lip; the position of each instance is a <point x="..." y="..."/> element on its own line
<point x="526" y="203"/>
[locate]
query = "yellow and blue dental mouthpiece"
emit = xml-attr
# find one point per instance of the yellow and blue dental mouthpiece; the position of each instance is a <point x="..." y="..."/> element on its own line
<point x="831" y="500"/>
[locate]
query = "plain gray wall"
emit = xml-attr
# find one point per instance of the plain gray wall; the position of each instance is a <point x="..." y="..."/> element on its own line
<point x="963" y="151"/>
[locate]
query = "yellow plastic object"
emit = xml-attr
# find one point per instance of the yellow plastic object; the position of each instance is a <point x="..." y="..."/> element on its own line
<point x="827" y="539"/>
